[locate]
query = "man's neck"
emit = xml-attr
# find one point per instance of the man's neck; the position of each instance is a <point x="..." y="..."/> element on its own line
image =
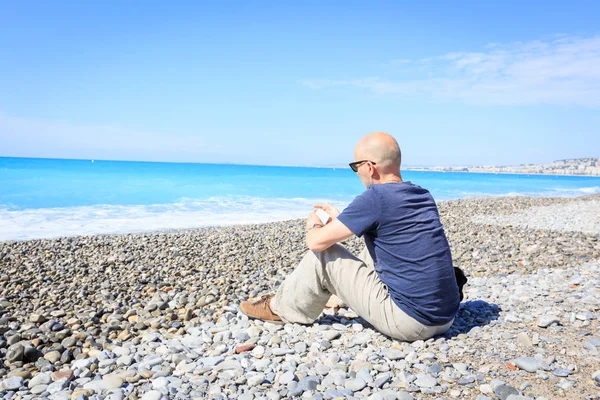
<point x="390" y="178"/>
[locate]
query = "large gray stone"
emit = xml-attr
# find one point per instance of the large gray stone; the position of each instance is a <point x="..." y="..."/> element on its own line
<point x="529" y="364"/>
<point x="13" y="383"/>
<point x="16" y="352"/>
<point x="40" y="379"/>
<point x="503" y="391"/>
<point x="309" y="383"/>
<point x="426" y="381"/>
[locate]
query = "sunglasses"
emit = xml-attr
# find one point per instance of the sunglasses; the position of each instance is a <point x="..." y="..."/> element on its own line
<point x="354" y="165"/>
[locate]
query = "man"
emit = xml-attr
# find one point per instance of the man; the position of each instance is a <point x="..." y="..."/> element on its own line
<point x="403" y="283"/>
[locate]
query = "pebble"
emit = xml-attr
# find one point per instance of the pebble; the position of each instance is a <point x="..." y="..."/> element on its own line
<point x="15" y="353"/>
<point x="529" y="364"/>
<point x="152" y="395"/>
<point x="160" y="383"/>
<point x="256" y="380"/>
<point x="57" y="386"/>
<point x="355" y="384"/>
<point x="425" y="381"/>
<point x="106" y="383"/>
<point x="52" y="356"/>
<point x="466" y="380"/>
<point x="382" y="379"/>
<point x="565" y="384"/>
<point x="561" y="372"/>
<point x="13" y="383"/>
<point x="402" y="395"/>
<point x="61" y="396"/>
<point x="486" y="389"/>
<point x="309" y="383"/>
<point x="41" y="378"/>
<point x="62" y="374"/>
<point x="287" y="377"/>
<point x="547" y="321"/>
<point x="361" y="338"/>
<point x="383" y="395"/>
<point x="244" y="348"/>
<point x="503" y="391"/>
<point x="523" y="339"/>
<point x="331" y="335"/>
<point x="394" y="354"/>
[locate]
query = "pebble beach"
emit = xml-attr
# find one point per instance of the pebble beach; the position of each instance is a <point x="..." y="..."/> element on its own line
<point x="155" y="316"/>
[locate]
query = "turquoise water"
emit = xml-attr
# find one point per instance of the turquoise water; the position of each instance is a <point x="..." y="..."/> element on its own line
<point x="49" y="197"/>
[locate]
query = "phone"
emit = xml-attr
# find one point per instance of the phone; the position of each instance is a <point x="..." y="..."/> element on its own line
<point x="323" y="216"/>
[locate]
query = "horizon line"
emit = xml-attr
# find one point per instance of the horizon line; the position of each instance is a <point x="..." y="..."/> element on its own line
<point x="332" y="166"/>
<point x="177" y="162"/>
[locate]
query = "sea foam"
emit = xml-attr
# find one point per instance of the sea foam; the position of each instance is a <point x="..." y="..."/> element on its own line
<point x="188" y="213"/>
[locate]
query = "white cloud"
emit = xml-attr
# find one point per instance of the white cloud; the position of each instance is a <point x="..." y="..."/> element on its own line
<point x="564" y="71"/>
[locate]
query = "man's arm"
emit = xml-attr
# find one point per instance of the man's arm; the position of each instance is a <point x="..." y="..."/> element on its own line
<point x="320" y="238"/>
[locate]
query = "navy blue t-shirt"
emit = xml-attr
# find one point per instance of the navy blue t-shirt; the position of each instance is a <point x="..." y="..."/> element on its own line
<point x="404" y="235"/>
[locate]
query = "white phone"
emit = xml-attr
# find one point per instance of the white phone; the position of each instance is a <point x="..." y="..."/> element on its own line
<point x="323" y="216"/>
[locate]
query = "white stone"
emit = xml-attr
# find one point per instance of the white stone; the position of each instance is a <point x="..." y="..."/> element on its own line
<point x="160" y="383"/>
<point x="40" y="379"/>
<point x="255" y="380"/>
<point x="152" y="395"/>
<point x="13" y="383"/>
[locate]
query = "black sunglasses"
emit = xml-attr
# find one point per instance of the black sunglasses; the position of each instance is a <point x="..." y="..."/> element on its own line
<point x="354" y="165"/>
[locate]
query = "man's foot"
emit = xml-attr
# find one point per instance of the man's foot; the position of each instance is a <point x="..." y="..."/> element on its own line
<point x="261" y="309"/>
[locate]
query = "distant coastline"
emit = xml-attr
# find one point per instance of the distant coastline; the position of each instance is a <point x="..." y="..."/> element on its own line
<point x="571" y="167"/>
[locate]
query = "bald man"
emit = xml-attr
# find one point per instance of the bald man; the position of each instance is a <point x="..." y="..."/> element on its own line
<point x="403" y="282"/>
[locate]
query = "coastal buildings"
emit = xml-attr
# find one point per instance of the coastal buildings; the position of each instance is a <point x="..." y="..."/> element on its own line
<point x="578" y="166"/>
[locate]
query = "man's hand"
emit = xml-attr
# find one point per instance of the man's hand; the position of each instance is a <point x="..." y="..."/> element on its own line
<point x="329" y="209"/>
<point x="334" y="231"/>
<point x="322" y="238"/>
<point x="313" y="219"/>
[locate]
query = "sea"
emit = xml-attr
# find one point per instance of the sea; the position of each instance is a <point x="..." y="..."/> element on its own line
<point x="47" y="198"/>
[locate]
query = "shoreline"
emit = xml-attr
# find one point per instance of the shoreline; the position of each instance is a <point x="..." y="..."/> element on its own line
<point x="184" y="230"/>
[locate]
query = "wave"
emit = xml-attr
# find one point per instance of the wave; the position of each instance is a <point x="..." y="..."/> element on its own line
<point x="36" y="223"/>
<point x="579" y="191"/>
<point x="115" y="219"/>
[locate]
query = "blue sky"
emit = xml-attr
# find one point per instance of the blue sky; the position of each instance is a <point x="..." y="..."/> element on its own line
<point x="298" y="83"/>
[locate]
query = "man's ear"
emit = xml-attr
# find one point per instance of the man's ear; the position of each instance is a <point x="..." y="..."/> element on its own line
<point x="373" y="172"/>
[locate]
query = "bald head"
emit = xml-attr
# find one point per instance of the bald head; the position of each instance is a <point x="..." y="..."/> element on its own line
<point x="380" y="148"/>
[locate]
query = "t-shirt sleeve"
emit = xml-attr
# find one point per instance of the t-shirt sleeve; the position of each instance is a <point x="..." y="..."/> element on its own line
<point x="362" y="215"/>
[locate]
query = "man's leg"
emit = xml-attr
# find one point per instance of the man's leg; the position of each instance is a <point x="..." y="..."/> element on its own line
<point x="304" y="293"/>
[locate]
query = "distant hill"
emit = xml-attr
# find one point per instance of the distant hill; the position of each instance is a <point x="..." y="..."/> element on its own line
<point x="576" y="166"/>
